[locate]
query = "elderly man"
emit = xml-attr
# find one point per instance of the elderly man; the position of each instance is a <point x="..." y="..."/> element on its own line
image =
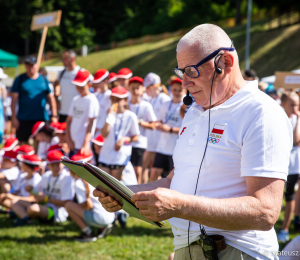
<point x="232" y="153"/>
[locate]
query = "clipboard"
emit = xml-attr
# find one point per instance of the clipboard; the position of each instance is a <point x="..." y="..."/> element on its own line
<point x="106" y="183"/>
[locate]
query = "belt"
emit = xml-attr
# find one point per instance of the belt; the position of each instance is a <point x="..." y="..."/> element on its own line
<point x="218" y="240"/>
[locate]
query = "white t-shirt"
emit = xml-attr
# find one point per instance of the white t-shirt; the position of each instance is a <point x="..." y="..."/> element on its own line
<point x="43" y="147"/>
<point x="11" y="175"/>
<point x="7" y="105"/>
<point x="250" y="135"/>
<point x="81" y="110"/>
<point x="68" y="90"/>
<point x="169" y="115"/>
<point x="104" y="104"/>
<point x="294" y="166"/>
<point x="128" y="175"/>
<point x="144" y="111"/>
<point x="100" y="215"/>
<point x="126" y="124"/>
<point x="22" y="182"/>
<point x="60" y="188"/>
<point x="153" y="135"/>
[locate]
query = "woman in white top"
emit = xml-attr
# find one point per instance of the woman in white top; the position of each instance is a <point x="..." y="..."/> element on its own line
<point x="121" y="129"/>
<point x="169" y="123"/>
<point x="159" y="95"/>
<point x="146" y="118"/>
<point x="290" y="104"/>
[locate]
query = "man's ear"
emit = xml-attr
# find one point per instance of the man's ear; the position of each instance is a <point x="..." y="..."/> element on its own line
<point x="228" y="60"/>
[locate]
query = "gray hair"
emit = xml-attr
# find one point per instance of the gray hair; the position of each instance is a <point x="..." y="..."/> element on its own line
<point x="71" y="53"/>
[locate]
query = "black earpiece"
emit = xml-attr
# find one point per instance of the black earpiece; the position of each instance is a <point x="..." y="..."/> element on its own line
<point x="217" y="69"/>
<point x="187" y="100"/>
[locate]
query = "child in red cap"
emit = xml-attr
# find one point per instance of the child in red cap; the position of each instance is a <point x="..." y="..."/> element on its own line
<point x="87" y="212"/>
<point x="84" y="109"/>
<point x="51" y="194"/>
<point x="28" y="179"/>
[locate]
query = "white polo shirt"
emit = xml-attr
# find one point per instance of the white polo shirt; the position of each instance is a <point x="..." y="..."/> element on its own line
<point x="143" y="110"/>
<point x="250" y="135"/>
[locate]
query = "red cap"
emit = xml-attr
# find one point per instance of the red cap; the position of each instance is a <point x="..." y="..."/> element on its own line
<point x="10" y="144"/>
<point x="25" y="150"/>
<point x="36" y="128"/>
<point x="61" y="128"/>
<point x="57" y="147"/>
<point x="32" y="159"/>
<point x="99" y="140"/>
<point x="100" y="75"/>
<point x="112" y="77"/>
<point x="178" y="80"/>
<point x="54" y="125"/>
<point x="54" y="156"/>
<point x="119" y="92"/>
<point x="82" y="78"/>
<point x="136" y="79"/>
<point x="124" y="73"/>
<point x="82" y="157"/>
<point x="11" y="155"/>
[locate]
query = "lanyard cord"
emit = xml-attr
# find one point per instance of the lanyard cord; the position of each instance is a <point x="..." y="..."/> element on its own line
<point x="48" y="186"/>
<point x="212" y="82"/>
<point x="172" y="113"/>
<point x="115" y="126"/>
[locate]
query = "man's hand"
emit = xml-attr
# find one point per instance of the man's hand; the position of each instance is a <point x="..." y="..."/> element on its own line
<point x="108" y="203"/>
<point x="15" y="122"/>
<point x="85" y="149"/>
<point x="121" y="142"/>
<point x="159" y="204"/>
<point x="54" y="119"/>
<point x="40" y="198"/>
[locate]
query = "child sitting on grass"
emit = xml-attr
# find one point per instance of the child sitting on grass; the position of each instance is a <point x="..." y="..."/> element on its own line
<point x="54" y="190"/>
<point x="28" y="179"/>
<point x="87" y="212"/>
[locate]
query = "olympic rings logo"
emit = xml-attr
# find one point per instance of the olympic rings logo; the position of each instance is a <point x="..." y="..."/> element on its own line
<point x="213" y="140"/>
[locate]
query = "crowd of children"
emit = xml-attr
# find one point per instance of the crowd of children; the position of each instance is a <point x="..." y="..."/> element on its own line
<point x="125" y="125"/>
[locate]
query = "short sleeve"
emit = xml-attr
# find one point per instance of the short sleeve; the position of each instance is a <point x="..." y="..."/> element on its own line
<point x="150" y="115"/>
<point x="267" y="142"/>
<point x="35" y="180"/>
<point x="67" y="188"/>
<point x="94" y="108"/>
<point x="48" y="88"/>
<point x="134" y="128"/>
<point x="15" y="87"/>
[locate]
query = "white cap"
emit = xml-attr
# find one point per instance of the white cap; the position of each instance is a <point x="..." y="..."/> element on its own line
<point x="151" y="79"/>
<point x="2" y="75"/>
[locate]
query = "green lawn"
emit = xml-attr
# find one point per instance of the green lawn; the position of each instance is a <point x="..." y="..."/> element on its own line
<point x="272" y="49"/>
<point x="138" y="241"/>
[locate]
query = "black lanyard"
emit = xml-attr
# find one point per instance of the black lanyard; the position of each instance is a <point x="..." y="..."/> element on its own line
<point x="115" y="126"/>
<point x="174" y="110"/>
<point x="48" y="186"/>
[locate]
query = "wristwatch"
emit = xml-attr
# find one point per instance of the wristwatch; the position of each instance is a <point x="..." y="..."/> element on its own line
<point x="140" y="121"/>
<point x="171" y="130"/>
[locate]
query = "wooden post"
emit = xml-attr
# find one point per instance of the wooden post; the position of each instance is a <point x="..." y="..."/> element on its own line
<point x="42" y="45"/>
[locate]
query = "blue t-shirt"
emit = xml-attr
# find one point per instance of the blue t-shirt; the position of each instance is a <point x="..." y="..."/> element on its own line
<point x="32" y="97"/>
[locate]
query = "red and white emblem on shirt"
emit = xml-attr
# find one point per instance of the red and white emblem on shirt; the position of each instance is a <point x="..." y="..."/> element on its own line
<point x="216" y="133"/>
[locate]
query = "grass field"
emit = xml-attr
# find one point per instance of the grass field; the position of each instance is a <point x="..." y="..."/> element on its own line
<point x="271" y="50"/>
<point x="44" y="242"/>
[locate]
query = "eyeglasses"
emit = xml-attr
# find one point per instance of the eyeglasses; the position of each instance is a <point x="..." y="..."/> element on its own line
<point x="192" y="70"/>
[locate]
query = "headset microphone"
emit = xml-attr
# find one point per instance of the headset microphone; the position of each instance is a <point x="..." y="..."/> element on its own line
<point x="187" y="100"/>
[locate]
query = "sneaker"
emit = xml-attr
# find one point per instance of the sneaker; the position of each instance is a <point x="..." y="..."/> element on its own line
<point x="85" y="238"/>
<point x="283" y="236"/>
<point x="103" y="232"/>
<point x="122" y="218"/>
